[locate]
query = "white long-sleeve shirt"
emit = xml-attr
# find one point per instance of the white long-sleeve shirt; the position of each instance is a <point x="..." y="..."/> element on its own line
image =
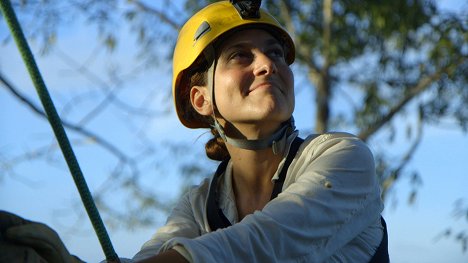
<point x="329" y="211"/>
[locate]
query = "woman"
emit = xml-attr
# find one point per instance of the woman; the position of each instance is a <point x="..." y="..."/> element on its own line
<point x="231" y="74"/>
<point x="274" y="197"/>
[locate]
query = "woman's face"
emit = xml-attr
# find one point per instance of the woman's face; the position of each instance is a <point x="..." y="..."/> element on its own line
<point x="254" y="86"/>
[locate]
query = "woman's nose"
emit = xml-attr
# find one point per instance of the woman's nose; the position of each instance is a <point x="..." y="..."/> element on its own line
<point x="264" y="65"/>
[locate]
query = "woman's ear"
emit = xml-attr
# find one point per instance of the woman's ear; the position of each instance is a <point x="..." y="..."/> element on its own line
<point x="201" y="100"/>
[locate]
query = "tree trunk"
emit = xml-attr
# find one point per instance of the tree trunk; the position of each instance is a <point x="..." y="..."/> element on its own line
<point x="322" y="101"/>
<point x="322" y="83"/>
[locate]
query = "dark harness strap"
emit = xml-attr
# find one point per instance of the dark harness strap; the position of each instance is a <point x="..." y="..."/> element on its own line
<point x="381" y="254"/>
<point x="217" y="219"/>
<point x="278" y="187"/>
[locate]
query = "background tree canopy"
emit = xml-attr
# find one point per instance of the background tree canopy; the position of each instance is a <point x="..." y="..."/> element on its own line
<point x="384" y="70"/>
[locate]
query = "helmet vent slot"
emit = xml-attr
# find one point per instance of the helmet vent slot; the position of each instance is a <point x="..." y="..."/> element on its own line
<point x="202" y="29"/>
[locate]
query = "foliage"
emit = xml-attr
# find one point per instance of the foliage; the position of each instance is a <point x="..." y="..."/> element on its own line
<point x="400" y="56"/>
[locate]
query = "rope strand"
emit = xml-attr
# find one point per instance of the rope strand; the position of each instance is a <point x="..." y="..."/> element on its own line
<point x="57" y="127"/>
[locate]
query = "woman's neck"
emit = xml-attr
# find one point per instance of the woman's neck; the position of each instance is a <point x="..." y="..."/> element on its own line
<point x="251" y="180"/>
<point x="250" y="131"/>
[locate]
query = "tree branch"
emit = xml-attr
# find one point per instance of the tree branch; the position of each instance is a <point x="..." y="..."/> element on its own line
<point x="421" y="86"/>
<point x="393" y="177"/>
<point x="145" y="8"/>
<point x="99" y="140"/>
<point x="109" y="92"/>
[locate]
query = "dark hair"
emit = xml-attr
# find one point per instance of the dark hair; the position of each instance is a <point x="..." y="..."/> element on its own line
<point x="215" y="148"/>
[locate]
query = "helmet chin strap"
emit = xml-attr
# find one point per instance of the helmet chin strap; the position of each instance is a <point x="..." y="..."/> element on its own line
<point x="277" y="140"/>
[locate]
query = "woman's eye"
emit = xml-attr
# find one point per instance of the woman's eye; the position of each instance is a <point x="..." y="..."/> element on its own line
<point x="277" y="53"/>
<point x="240" y="55"/>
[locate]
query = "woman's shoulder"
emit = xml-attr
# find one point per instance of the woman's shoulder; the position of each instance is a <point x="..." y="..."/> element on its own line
<point x="330" y="137"/>
<point x="335" y="148"/>
<point x="341" y="159"/>
<point x="318" y="143"/>
<point x="199" y="192"/>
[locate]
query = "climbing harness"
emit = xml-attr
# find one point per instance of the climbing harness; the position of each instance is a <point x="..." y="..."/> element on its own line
<point x="57" y="127"/>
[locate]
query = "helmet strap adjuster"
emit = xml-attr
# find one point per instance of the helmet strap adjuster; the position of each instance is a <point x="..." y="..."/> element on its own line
<point x="247" y="8"/>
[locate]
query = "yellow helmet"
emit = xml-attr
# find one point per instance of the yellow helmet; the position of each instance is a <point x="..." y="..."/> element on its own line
<point x="202" y="30"/>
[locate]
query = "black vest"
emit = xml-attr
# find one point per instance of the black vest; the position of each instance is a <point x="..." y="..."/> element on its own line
<point x="217" y="219"/>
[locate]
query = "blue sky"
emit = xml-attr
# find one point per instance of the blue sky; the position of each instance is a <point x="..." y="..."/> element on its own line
<point x="46" y="193"/>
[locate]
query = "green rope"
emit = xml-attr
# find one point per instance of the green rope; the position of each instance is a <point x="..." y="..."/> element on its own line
<point x="58" y="129"/>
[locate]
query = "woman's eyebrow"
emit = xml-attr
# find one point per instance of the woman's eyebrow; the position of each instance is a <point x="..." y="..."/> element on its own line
<point x="248" y="44"/>
<point x="238" y="45"/>
<point x="273" y="41"/>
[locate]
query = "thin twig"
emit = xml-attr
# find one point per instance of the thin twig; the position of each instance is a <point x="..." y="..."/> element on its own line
<point x="36" y="109"/>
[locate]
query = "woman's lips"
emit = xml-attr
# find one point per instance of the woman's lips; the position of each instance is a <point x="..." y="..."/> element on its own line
<point x="262" y="85"/>
<point x="265" y="85"/>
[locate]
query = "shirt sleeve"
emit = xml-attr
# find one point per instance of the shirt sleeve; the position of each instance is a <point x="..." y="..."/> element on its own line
<point x="334" y="197"/>
<point x="180" y="223"/>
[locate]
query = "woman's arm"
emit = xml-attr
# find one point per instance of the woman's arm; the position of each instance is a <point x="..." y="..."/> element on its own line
<point x="170" y="255"/>
<point x="183" y="221"/>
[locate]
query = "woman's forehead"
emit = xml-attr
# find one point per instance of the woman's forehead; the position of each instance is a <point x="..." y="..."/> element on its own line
<point x="248" y="36"/>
